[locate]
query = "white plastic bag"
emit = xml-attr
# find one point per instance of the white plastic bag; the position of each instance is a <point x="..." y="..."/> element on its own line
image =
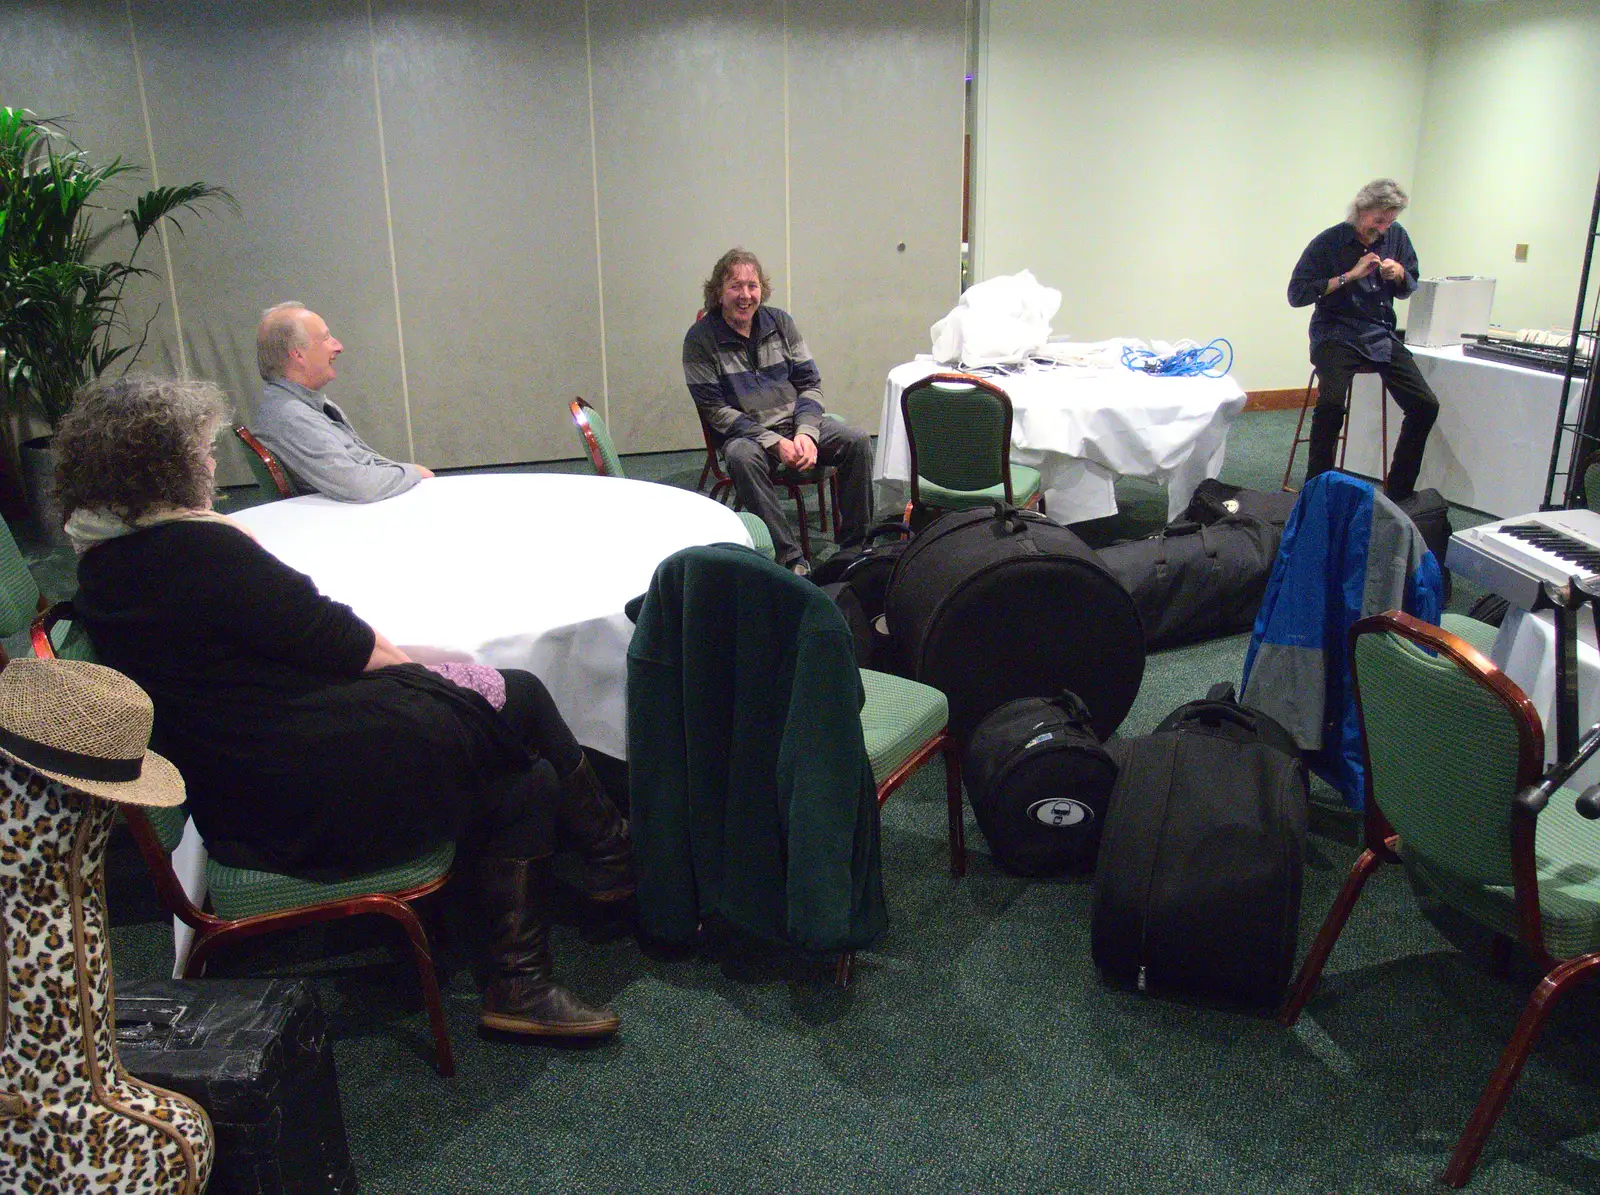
<point x="999" y="321"/>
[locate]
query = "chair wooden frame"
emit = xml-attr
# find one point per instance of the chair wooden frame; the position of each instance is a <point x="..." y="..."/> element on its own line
<point x="961" y="379"/>
<point x="824" y="477"/>
<point x="1382" y="845"/>
<point x="580" y="416"/>
<point x="1308" y="404"/>
<point x="279" y="477"/>
<point x="211" y="931"/>
<point x="940" y="743"/>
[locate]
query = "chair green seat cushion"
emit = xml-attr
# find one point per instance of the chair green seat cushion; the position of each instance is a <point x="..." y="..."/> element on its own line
<point x="1024" y="485"/>
<point x="239" y="892"/>
<point x="1567" y="852"/>
<point x="899" y="716"/>
<point x="760" y="537"/>
<point x="1480" y="634"/>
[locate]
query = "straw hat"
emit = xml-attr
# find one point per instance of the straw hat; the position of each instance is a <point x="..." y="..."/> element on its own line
<point x="86" y="726"/>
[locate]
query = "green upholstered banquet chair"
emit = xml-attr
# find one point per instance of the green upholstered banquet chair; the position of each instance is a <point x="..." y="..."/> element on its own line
<point x="958" y="428"/>
<point x="1591" y="481"/>
<point x="271" y="481"/>
<point x="1449" y="740"/>
<point x="603" y="456"/>
<point x="244" y="903"/>
<point x="903" y="723"/>
<point x="19" y="592"/>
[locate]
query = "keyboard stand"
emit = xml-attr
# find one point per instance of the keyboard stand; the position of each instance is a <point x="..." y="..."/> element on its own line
<point x="1565" y="601"/>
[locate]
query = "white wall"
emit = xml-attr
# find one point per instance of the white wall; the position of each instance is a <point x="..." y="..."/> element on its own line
<point x="500" y="204"/>
<point x="1164" y="163"/>
<point x="1509" y="152"/>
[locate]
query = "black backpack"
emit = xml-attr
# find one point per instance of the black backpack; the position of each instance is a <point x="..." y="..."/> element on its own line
<point x="1039" y="782"/>
<point x="1197" y="888"/>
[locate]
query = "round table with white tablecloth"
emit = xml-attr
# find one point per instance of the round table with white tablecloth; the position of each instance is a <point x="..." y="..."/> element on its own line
<point x="1082" y="426"/>
<point x="514" y="570"/>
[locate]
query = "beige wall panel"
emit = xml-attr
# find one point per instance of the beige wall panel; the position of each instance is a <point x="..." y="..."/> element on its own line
<point x="689" y="129"/>
<point x="1509" y="151"/>
<point x="1164" y="164"/>
<point x="276" y="103"/>
<point x="75" y="64"/>
<point x="876" y="125"/>
<point x="486" y="120"/>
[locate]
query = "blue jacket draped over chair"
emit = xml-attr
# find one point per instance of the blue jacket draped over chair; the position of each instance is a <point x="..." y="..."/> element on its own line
<point x="1347" y="551"/>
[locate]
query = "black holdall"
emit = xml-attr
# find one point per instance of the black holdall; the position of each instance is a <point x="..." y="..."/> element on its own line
<point x="1192" y="582"/>
<point x="1039" y="782"/>
<point x="1431" y="514"/>
<point x="1213" y="500"/>
<point x="994" y="604"/>
<point x="1197" y="888"/>
<point x="857" y="579"/>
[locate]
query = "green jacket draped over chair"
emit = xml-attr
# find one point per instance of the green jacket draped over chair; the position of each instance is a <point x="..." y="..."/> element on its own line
<point x="752" y="796"/>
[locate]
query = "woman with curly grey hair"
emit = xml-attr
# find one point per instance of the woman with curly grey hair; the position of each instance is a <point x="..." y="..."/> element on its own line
<point x="310" y="744"/>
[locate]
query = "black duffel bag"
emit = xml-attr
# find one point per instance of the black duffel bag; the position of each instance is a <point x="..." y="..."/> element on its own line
<point x="1197" y="887"/>
<point x="1431" y="514"/>
<point x="857" y="579"/>
<point x="1192" y="582"/>
<point x="1039" y="782"/>
<point x="1213" y="500"/>
<point x="994" y="604"/>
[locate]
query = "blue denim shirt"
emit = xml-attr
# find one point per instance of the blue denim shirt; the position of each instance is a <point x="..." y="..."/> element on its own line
<point x="1359" y="313"/>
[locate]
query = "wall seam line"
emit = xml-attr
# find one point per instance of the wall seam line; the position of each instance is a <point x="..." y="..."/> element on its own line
<point x="594" y="189"/>
<point x="155" y="179"/>
<point x="788" y="245"/>
<point x="388" y="225"/>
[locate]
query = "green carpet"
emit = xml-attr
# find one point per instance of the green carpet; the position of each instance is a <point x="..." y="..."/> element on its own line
<point x="977" y="1049"/>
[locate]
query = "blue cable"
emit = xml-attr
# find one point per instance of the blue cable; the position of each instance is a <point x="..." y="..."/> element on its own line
<point x="1208" y="361"/>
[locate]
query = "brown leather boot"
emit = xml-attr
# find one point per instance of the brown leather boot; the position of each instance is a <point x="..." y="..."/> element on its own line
<point x="590" y="822"/>
<point x="523" y="996"/>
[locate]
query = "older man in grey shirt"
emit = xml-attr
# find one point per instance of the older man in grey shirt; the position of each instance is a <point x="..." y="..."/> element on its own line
<point x="309" y="434"/>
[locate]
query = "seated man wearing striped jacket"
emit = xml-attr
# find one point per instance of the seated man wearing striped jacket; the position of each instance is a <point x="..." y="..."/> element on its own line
<point x="760" y="393"/>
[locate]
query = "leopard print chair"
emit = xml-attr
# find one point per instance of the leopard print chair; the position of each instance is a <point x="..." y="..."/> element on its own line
<point x="71" y="1119"/>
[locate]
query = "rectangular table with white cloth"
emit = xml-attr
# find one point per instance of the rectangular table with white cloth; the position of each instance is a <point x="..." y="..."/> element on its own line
<point x="1525" y="650"/>
<point x="1489" y="449"/>
<point x="513" y="570"/>
<point x="1081" y="426"/>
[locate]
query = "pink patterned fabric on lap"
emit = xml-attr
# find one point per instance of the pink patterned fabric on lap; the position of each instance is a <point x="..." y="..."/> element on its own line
<point x="483" y="680"/>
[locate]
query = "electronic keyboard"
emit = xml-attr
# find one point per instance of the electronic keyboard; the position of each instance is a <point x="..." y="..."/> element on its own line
<point x="1515" y="556"/>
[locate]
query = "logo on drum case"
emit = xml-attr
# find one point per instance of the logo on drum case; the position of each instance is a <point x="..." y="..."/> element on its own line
<point x="1060" y="813"/>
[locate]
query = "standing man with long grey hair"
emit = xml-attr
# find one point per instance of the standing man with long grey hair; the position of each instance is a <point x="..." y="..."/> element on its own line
<point x="1353" y="273"/>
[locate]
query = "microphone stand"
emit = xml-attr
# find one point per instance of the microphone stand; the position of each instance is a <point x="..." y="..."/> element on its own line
<point x="1571" y="753"/>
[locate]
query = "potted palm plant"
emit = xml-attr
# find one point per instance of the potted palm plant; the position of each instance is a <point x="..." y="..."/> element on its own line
<point x="62" y="321"/>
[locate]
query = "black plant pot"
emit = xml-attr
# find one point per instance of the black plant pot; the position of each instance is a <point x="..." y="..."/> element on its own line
<point x="38" y="458"/>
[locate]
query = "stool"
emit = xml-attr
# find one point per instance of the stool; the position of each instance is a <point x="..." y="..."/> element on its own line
<point x="1308" y="403"/>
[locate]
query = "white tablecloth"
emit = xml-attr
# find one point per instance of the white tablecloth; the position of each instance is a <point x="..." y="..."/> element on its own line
<point x="1081" y="427"/>
<point x="515" y="570"/>
<point x="1525" y="650"/>
<point x="1490" y="449"/>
